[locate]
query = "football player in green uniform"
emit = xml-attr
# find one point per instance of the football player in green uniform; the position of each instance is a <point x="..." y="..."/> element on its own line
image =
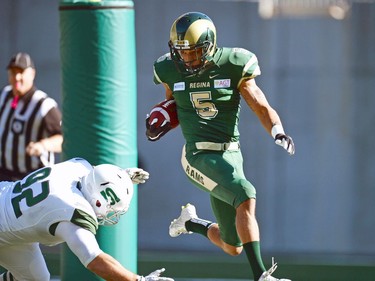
<point x="65" y="203"/>
<point x="207" y="83"/>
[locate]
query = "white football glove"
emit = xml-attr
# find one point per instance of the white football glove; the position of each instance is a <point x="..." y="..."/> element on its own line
<point x="286" y="142"/>
<point x="137" y="175"/>
<point x="155" y="276"/>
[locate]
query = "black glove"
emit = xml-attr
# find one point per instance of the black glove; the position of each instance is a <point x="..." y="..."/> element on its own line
<point x="154" y="132"/>
<point x="286" y="142"/>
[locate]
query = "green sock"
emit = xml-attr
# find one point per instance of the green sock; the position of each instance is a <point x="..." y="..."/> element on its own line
<point x="252" y="250"/>
<point x="198" y="226"/>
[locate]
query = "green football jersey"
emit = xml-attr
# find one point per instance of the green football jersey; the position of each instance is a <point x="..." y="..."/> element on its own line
<point x="208" y="103"/>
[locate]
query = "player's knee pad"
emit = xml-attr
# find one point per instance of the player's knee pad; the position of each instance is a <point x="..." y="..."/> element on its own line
<point x="42" y="275"/>
<point x="38" y="272"/>
<point x="34" y="275"/>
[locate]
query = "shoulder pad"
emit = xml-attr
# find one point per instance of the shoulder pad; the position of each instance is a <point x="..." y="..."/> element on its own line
<point x="164" y="57"/>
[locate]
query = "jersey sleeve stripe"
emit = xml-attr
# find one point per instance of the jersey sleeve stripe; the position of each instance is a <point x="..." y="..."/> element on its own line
<point x="252" y="64"/>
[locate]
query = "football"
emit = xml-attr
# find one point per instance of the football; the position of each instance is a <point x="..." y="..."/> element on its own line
<point x="163" y="112"/>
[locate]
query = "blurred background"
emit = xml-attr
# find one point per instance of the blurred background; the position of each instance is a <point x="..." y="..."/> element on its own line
<point x="315" y="209"/>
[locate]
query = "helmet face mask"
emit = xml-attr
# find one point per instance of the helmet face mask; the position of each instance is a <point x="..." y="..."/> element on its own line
<point x="109" y="191"/>
<point x="112" y="217"/>
<point x="192" y="41"/>
<point x="191" y="59"/>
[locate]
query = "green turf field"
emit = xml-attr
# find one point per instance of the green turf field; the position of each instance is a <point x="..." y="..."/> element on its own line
<point x="208" y="266"/>
<point x="194" y="266"/>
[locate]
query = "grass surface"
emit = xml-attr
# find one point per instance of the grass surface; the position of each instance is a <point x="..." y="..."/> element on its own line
<point x="218" y="266"/>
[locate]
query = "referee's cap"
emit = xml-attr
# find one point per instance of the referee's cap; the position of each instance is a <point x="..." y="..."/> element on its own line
<point x="21" y="60"/>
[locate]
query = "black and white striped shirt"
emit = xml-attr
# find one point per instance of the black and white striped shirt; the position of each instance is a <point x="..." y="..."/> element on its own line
<point x="35" y="117"/>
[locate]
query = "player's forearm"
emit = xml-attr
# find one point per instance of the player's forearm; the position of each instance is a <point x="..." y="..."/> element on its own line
<point x="53" y="143"/>
<point x="168" y="92"/>
<point x="269" y="118"/>
<point x="110" y="269"/>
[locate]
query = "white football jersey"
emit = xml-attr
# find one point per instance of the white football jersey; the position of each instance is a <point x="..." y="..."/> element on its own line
<point x="32" y="207"/>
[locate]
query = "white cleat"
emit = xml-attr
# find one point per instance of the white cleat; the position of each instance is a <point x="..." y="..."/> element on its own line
<point x="266" y="276"/>
<point x="177" y="226"/>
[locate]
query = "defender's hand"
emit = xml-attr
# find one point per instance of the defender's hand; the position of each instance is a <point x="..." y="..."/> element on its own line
<point x="155" y="276"/>
<point x="137" y="175"/>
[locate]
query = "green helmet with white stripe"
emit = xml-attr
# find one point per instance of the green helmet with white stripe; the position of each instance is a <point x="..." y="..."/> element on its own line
<point x="192" y="33"/>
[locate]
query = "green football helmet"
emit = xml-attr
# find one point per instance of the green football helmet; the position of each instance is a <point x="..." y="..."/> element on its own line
<point x="192" y="41"/>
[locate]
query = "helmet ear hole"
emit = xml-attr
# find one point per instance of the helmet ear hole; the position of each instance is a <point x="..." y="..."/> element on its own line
<point x="98" y="204"/>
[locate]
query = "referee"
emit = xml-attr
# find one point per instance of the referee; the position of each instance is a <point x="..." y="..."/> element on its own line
<point x="30" y="122"/>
